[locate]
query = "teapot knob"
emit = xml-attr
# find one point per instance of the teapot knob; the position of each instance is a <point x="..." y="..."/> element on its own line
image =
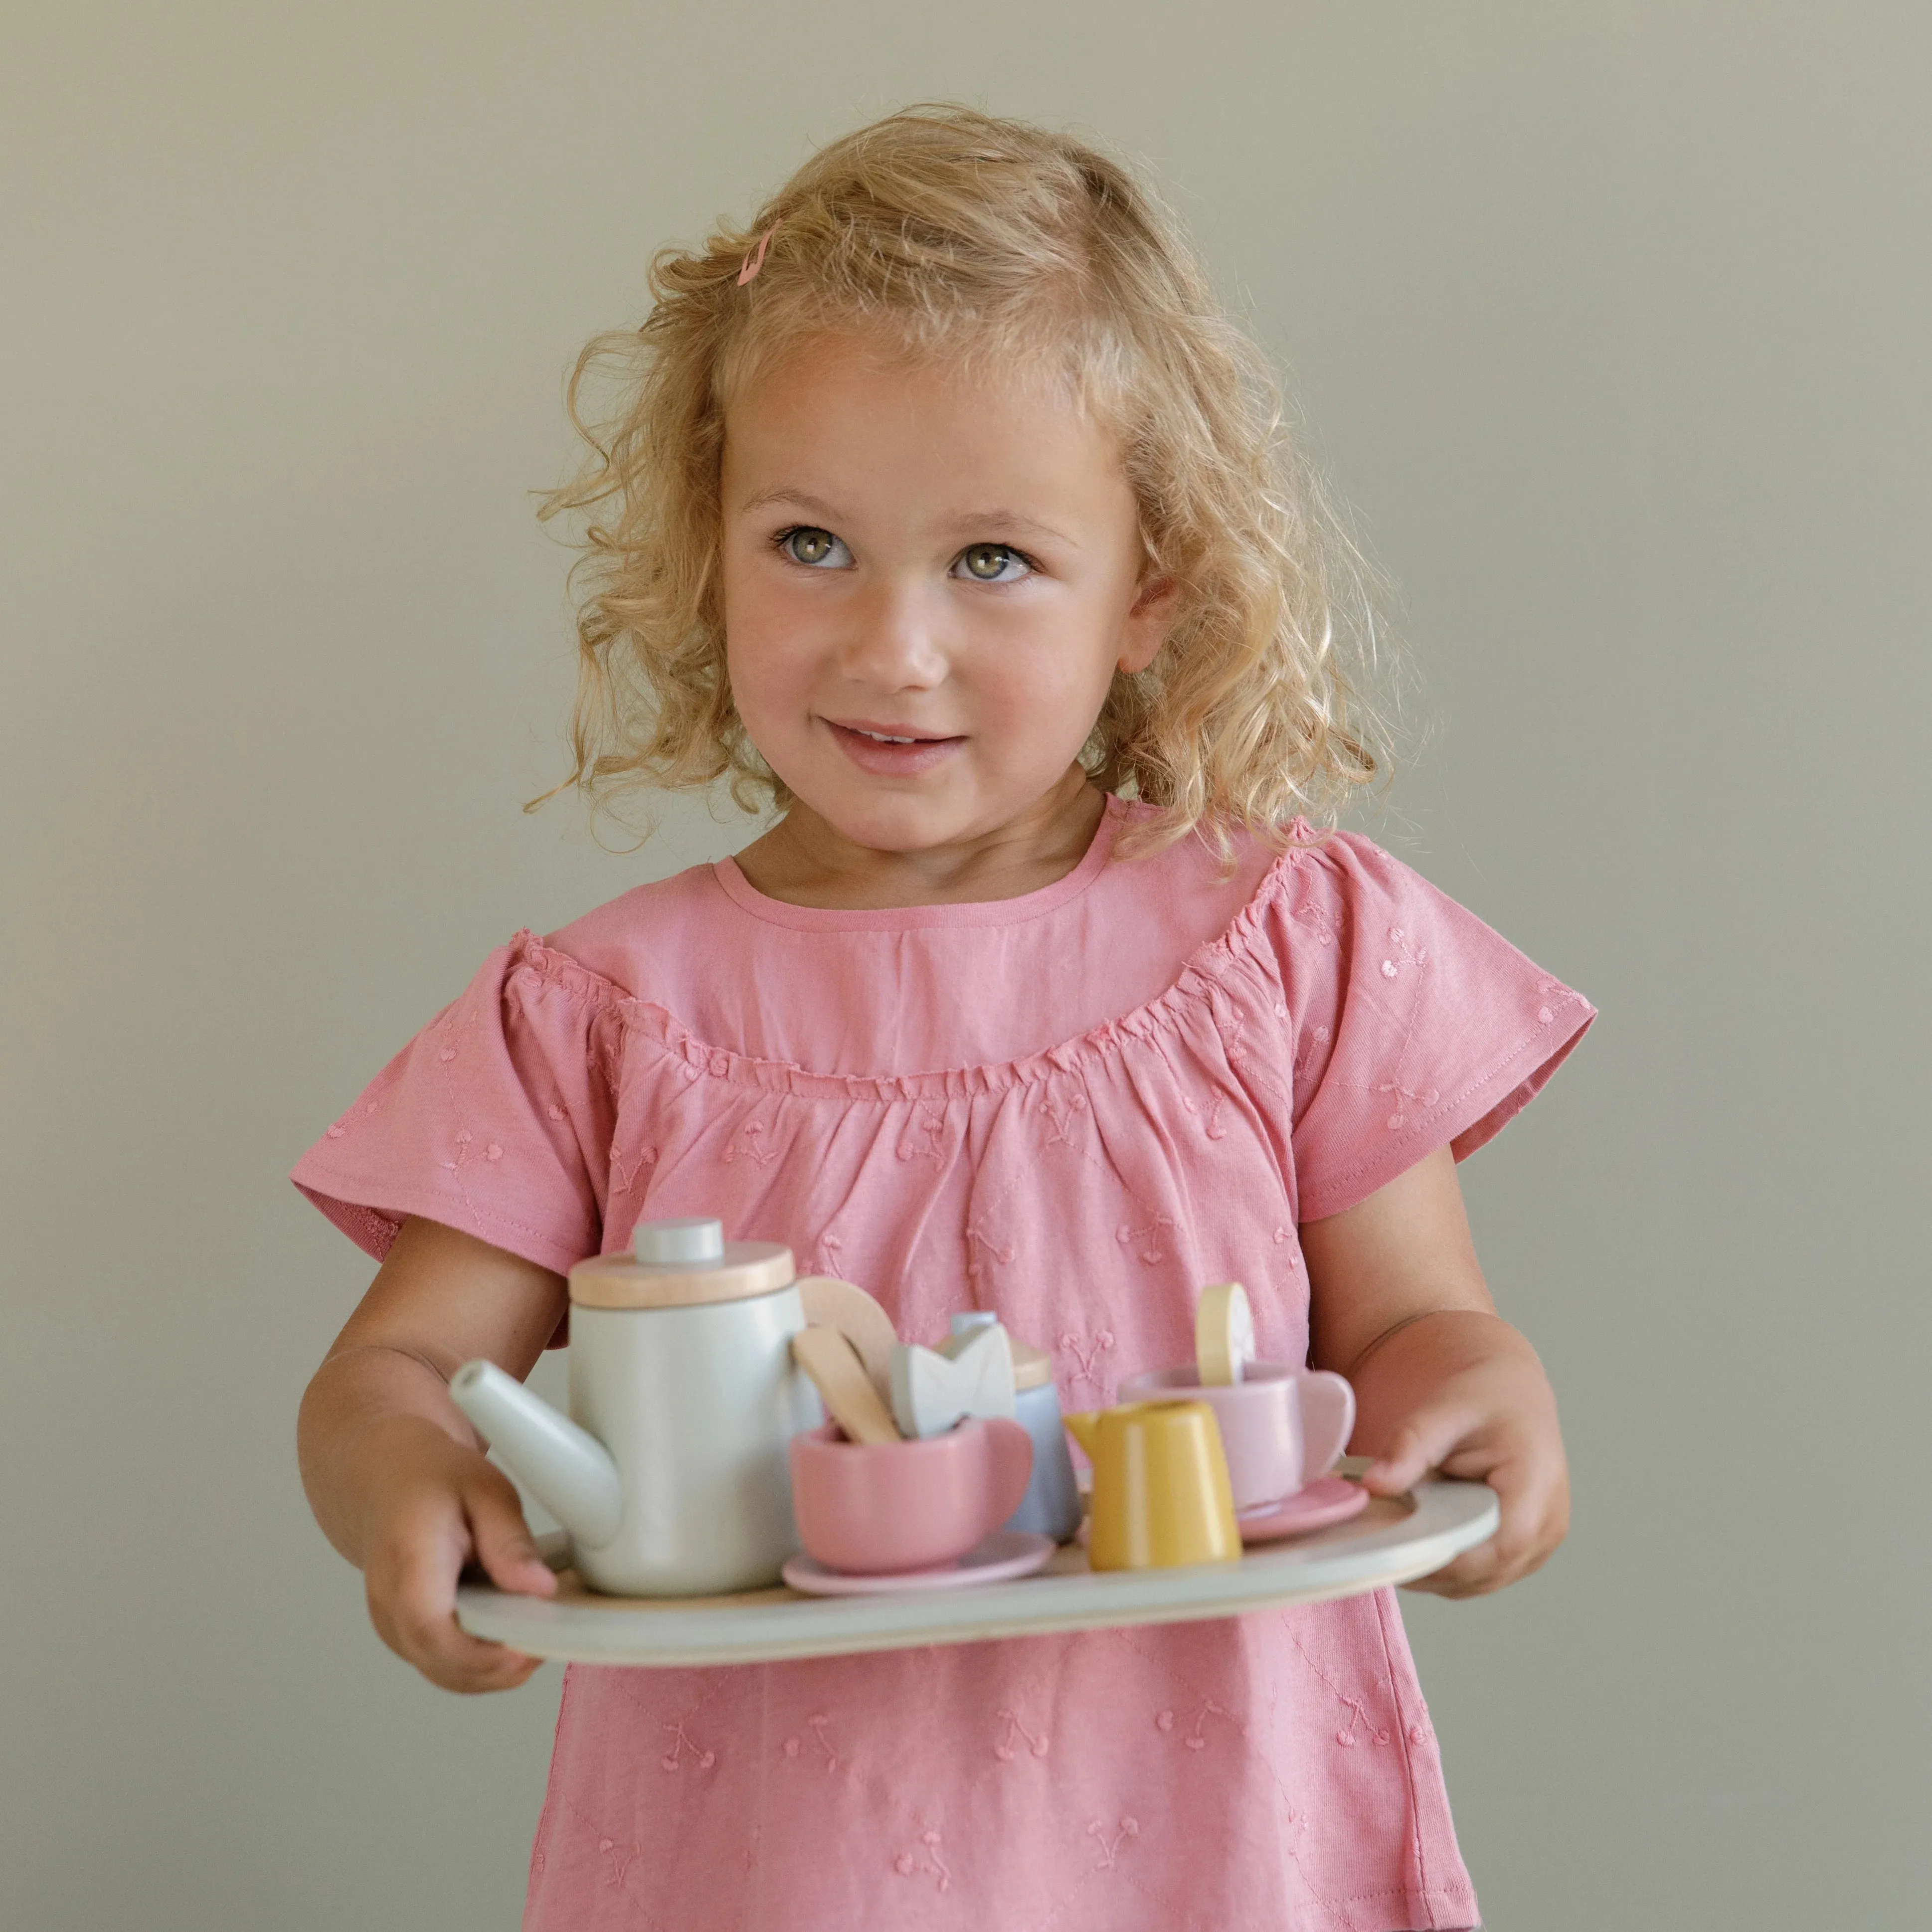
<point x="696" y="1241"/>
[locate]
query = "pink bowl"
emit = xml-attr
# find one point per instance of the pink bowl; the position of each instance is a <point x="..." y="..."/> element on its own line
<point x="872" y="1508"/>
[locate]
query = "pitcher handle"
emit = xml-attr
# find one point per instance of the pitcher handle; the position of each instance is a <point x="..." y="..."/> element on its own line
<point x="1327" y="1420"/>
<point x="829" y="1302"/>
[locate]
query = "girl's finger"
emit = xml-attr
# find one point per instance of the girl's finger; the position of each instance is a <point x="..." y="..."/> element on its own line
<point x="449" y="1657"/>
<point x="412" y="1603"/>
<point x="1533" y="1494"/>
<point x="1420" y="1444"/>
<point x="474" y="1667"/>
<point x="503" y="1544"/>
<point x="1535" y="1517"/>
<point x="1469" y="1576"/>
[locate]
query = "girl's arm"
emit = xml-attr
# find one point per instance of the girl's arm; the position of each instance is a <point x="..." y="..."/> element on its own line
<point x="1398" y="1305"/>
<point x="394" y="1473"/>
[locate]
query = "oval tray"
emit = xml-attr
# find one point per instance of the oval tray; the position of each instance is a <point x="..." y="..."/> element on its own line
<point x="1392" y="1541"/>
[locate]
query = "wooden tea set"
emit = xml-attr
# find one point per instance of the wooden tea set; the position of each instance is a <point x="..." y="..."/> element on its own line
<point x="732" y="1425"/>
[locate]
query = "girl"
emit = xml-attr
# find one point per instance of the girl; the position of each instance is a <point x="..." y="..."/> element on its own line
<point x="942" y="516"/>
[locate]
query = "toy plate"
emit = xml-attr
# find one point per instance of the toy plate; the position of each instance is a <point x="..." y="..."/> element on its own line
<point x="1326" y="1500"/>
<point x="1006" y="1554"/>
<point x="1392" y="1540"/>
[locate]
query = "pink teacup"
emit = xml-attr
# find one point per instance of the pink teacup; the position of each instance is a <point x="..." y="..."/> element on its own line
<point x="874" y="1508"/>
<point x="1281" y="1427"/>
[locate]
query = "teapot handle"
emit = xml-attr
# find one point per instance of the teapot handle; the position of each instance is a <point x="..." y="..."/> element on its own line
<point x="829" y="1302"/>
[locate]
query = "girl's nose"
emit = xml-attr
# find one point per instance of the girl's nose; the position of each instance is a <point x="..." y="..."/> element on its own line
<point x="896" y="641"/>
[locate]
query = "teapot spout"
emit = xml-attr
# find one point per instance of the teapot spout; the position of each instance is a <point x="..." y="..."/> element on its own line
<point x="565" y="1468"/>
<point x="1083" y="1425"/>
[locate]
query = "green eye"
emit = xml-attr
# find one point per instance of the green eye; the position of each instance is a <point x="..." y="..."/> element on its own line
<point x="810" y="546"/>
<point x="988" y="562"/>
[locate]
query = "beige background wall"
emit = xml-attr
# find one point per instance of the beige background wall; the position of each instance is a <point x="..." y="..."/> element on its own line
<point x="1611" y="320"/>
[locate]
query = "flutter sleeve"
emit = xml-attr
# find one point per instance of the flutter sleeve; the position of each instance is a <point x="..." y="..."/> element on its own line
<point x="1414" y="1023"/>
<point x="496" y="1119"/>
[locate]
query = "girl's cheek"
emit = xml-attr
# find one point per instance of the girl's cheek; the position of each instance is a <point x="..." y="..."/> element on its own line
<point x="756" y="629"/>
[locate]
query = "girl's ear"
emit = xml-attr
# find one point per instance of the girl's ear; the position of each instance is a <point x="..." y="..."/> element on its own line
<point x="1148" y="623"/>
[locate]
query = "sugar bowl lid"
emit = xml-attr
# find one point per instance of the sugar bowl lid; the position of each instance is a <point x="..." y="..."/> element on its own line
<point x="680" y="1264"/>
<point x="1033" y="1368"/>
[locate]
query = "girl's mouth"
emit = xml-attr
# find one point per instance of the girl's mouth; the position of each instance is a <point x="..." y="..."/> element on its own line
<point x="889" y="751"/>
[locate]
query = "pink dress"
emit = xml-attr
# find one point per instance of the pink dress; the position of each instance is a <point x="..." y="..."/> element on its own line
<point x="1074" y="1108"/>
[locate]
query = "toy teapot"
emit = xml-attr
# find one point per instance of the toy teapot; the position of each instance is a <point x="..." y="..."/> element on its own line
<point x="671" y="1475"/>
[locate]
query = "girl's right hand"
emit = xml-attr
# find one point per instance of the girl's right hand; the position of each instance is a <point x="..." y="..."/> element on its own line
<point x="396" y="1475"/>
<point x="433" y="1505"/>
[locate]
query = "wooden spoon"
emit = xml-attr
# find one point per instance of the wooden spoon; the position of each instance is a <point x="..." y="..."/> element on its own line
<point x="831" y="1303"/>
<point x="844" y="1386"/>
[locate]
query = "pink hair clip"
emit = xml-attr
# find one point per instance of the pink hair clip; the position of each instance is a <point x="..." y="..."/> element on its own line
<point x="754" y="263"/>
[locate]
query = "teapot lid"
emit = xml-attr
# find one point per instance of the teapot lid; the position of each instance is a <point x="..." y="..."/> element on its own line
<point x="698" y="1239"/>
<point x="681" y="1263"/>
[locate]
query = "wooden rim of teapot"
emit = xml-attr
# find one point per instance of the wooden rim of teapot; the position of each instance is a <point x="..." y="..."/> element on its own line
<point x="617" y="1281"/>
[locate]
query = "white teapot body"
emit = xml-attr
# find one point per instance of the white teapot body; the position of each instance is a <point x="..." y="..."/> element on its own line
<point x="696" y="1407"/>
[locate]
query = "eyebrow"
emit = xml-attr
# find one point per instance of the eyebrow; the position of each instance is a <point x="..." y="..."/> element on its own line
<point x="1017" y="521"/>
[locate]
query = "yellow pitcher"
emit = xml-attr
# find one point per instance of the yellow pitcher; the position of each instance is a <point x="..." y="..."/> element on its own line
<point x="1161" y="1493"/>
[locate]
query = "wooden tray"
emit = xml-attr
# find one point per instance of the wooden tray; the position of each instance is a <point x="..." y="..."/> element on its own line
<point x="1392" y="1541"/>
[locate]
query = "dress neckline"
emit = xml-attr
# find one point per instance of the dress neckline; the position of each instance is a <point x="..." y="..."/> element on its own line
<point x="1015" y="911"/>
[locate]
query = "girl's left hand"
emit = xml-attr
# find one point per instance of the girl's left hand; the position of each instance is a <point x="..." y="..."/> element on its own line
<point x="1492" y="1419"/>
<point x="1398" y="1304"/>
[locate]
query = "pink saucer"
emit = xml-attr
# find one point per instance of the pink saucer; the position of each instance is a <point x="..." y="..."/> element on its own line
<point x="997" y="1558"/>
<point x="1326" y="1500"/>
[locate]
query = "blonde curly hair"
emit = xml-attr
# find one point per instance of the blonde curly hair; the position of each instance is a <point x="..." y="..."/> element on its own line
<point x="953" y="232"/>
